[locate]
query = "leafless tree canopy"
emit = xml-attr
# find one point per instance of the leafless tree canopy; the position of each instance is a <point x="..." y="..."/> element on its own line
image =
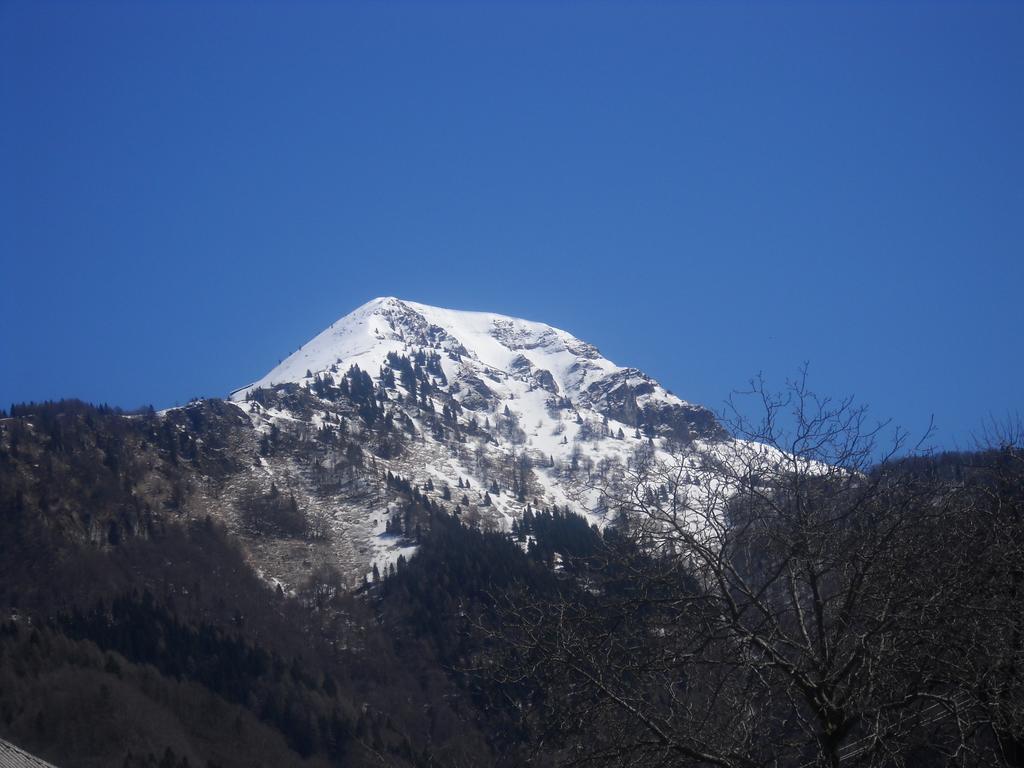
<point x="798" y="597"/>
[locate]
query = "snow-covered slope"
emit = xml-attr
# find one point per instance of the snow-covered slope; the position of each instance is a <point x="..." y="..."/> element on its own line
<point x="489" y="412"/>
<point x="490" y="358"/>
<point x="481" y="342"/>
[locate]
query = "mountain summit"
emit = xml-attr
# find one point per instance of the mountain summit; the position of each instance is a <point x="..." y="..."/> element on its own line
<point x="485" y="359"/>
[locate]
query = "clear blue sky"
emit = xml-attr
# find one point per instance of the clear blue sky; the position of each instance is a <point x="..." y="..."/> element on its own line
<point x="189" y="191"/>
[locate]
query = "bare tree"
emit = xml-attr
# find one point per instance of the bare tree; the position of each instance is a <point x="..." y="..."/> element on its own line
<point x="783" y="598"/>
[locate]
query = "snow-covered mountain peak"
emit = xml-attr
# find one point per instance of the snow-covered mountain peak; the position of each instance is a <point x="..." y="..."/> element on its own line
<point x="489" y="413"/>
<point x="483" y="347"/>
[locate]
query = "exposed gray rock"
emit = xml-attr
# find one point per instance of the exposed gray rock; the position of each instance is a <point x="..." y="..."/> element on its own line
<point x="477" y="395"/>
